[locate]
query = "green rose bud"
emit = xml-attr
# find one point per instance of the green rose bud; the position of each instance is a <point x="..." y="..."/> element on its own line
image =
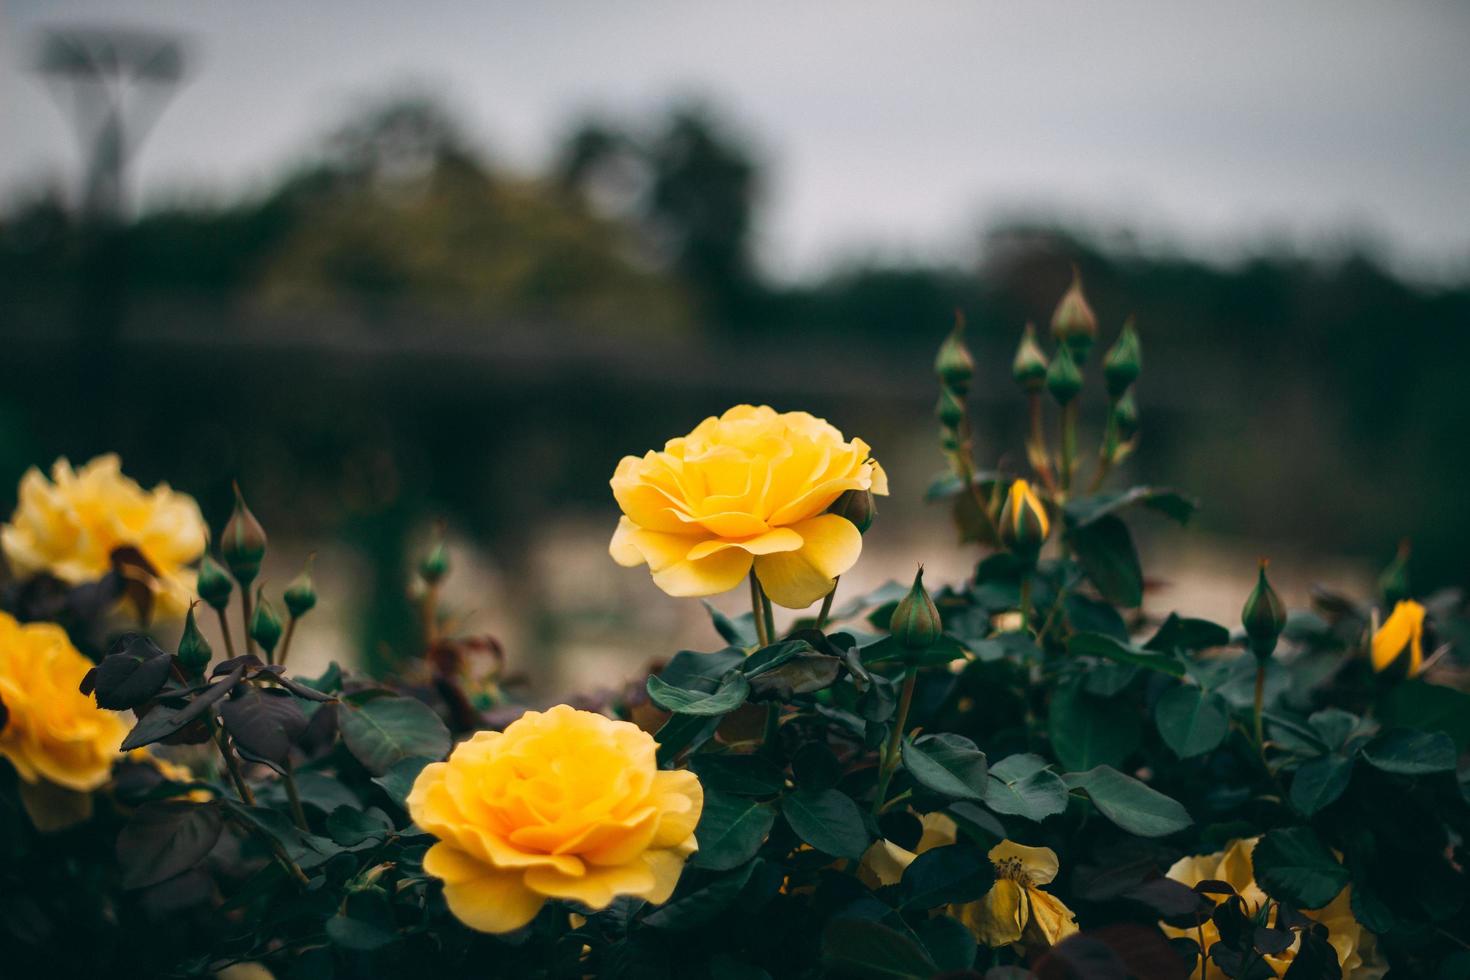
<point x="1264" y="617"/>
<point x="194" y="651"/>
<point x="1029" y="366"/>
<point x="242" y="545"/>
<point x="1123" y="362"/>
<point x="915" y="623"/>
<point x="954" y="364"/>
<point x="1063" y="379"/>
<point x="1125" y="416"/>
<point x="265" y="625"/>
<point x="858" y="507"/>
<point x="214" y="583"/>
<point x="1073" y="323"/>
<point x="435" y="564"/>
<point x="1024" y="526"/>
<point x="301" y="593"/>
<point x="950" y="410"/>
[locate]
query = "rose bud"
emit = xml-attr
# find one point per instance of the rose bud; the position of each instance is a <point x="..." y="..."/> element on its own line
<point x="242" y="545"/>
<point x="1123" y="362"/>
<point x="857" y="506"/>
<point x="1073" y="323"/>
<point x="1063" y="379"/>
<point x="915" y="622"/>
<point x="1029" y="366"/>
<point x="300" y="595"/>
<point x="265" y="625"/>
<point x="954" y="364"/>
<point x="194" y="651"/>
<point x="1264" y="617"/>
<point x="1398" y="645"/>
<point x="214" y="585"/>
<point x="1024" y="526"/>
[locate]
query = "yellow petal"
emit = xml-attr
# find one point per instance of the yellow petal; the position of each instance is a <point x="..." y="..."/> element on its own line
<point x="880" y="480"/>
<point x="680" y="800"/>
<point x="940" y="830"/>
<point x="1050" y="921"/>
<point x="622" y="548"/>
<point x="1039" y="863"/>
<point x="707" y="576"/>
<point x="998" y="918"/>
<point x="666" y="867"/>
<point x="1403" y="632"/>
<point x="883" y="864"/>
<point x="796" y="579"/>
<point x="773" y="541"/>
<point x="599" y="886"/>
<point x="497" y="902"/>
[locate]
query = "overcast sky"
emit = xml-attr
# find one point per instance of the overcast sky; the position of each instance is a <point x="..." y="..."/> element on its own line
<point x="893" y="128"/>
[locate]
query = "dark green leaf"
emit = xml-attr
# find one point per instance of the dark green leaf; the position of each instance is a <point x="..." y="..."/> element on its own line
<point x="1023" y="785"/>
<point x="1098" y="645"/>
<point x="264" y="723"/>
<point x="701" y="671"/>
<point x="828" y="820"/>
<point x="161" y="840"/>
<point x="1088" y="731"/>
<point x="399" y="779"/>
<point x="740" y="775"/>
<point x="1319" y="782"/>
<point x="1430" y="707"/>
<point x="1190" y="721"/>
<point x="1295" y="867"/>
<point x="1170" y="503"/>
<point x="683" y="733"/>
<point x="870" y="950"/>
<point x="385" y="731"/>
<point x="1179" y="633"/>
<point x="947" y="764"/>
<point x="1411" y="753"/>
<point x="950" y="945"/>
<point x="731" y="829"/>
<point x="1129" y="803"/>
<point x="951" y="875"/>
<point x="1104" y="549"/>
<point x="349" y="826"/>
<point x="357" y="934"/>
<point x="700" y="906"/>
<point x="727" y="697"/>
<point x="134" y="670"/>
<point x="738" y="632"/>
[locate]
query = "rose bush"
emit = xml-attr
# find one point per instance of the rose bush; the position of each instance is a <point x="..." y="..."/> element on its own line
<point x="1037" y="770"/>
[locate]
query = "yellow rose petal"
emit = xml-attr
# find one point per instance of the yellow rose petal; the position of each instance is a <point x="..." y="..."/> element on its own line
<point x="830" y="546"/>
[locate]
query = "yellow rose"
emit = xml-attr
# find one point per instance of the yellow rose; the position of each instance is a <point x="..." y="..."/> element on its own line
<point x="53" y="731"/>
<point x="1356" y="947"/>
<point x="70" y="525"/>
<point x="1400" y="640"/>
<point x="562" y="804"/>
<point x="1016" y="910"/>
<point x="751" y="487"/>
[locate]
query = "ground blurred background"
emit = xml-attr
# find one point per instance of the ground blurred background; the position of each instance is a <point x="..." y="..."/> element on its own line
<point x="389" y="263"/>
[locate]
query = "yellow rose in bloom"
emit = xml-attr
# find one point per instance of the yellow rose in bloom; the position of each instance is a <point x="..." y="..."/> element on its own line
<point x="750" y="487"/>
<point x="1400" y="640"/>
<point x="70" y="525"/>
<point x="1356" y="948"/>
<point x="1015" y="910"/>
<point x="53" y="731"/>
<point x="562" y="804"/>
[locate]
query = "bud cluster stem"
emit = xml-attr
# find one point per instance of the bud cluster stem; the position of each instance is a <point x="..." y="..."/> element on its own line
<point x="1067" y="461"/>
<point x="1036" y="448"/>
<point x="245" y="619"/>
<point x="889" y="763"/>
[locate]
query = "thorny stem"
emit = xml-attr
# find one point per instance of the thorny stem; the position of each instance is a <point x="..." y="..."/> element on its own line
<point x="224" y="628"/>
<point x="889" y="762"/>
<point x="292" y="868"/>
<point x="827" y="605"/>
<point x="232" y="764"/>
<point x="768" y="615"/>
<point x="1106" y="450"/>
<point x="1260" y="701"/>
<point x="757" y="613"/>
<point x="286" y="641"/>
<point x="1036" y="444"/>
<point x="297" y="814"/>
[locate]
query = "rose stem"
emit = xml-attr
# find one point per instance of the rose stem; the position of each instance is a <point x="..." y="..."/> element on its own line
<point x="827" y="605"/>
<point x="762" y="637"/>
<point x="890" y="755"/>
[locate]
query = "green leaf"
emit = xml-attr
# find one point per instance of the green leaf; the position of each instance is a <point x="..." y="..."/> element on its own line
<point x="828" y="820"/>
<point x="1190" y="721"/>
<point x="1295" y="867"/>
<point x="704" y="904"/>
<point x="950" y="945"/>
<point x="1088" y="731"/>
<point x="1104" y="549"/>
<point x="951" y="875"/>
<point x="399" y="779"/>
<point x="1319" y="782"/>
<point x="348" y="826"/>
<point x="1180" y="633"/>
<point x="161" y="840"/>
<point x="731" y="829"/>
<point x="1130" y="804"/>
<point x="385" y="731"/>
<point x="739" y="775"/>
<point x="1411" y="753"/>
<point x="872" y="951"/>
<point x="947" y="764"/>
<point x="357" y="934"/>
<point x="701" y="671"/>
<point x="1098" y="645"/>
<point x="1170" y="503"/>
<point x="684" y="733"/>
<point x="941" y="651"/>
<point x="738" y="632"/>
<point x="1023" y="785"/>
<point x="1431" y="707"/>
<point x="727" y="697"/>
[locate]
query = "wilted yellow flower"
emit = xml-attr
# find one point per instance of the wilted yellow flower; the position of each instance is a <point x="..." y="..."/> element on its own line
<point x="750" y="487"/>
<point x="69" y="526"/>
<point x="1015" y="910"/>
<point x="1400" y="640"/>
<point x="562" y="804"/>
<point x="53" y="731"/>
<point x="1356" y="948"/>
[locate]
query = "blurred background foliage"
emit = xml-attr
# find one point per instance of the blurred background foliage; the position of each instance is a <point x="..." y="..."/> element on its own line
<point x="403" y="329"/>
